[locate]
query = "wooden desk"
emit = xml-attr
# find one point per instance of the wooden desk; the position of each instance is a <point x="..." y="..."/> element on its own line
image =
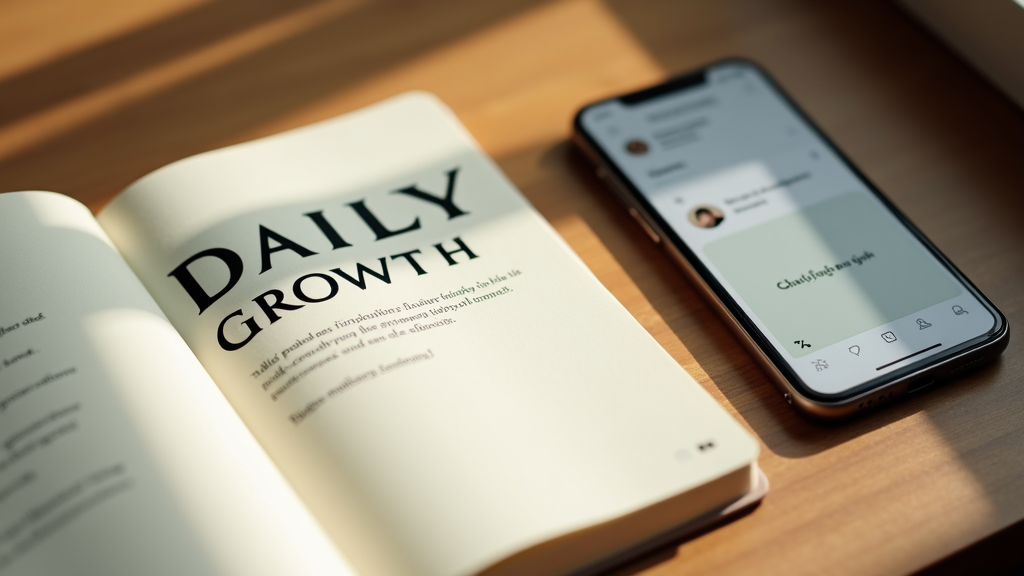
<point x="96" y="94"/>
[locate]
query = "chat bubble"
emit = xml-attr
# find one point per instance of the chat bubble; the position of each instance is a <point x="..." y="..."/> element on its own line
<point x="830" y="271"/>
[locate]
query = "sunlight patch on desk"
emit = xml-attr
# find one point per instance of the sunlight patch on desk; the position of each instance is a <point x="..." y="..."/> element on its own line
<point x="51" y="123"/>
<point x="512" y="91"/>
<point x="24" y="48"/>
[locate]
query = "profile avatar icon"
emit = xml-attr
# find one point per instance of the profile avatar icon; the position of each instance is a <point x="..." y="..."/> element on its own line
<point x="922" y="324"/>
<point x="637" y="147"/>
<point x="706" y="216"/>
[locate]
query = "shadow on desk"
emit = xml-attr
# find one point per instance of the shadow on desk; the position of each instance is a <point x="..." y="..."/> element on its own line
<point x="203" y="78"/>
<point x="997" y="555"/>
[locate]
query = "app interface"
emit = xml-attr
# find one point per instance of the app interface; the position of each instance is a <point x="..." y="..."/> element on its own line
<point x="838" y="285"/>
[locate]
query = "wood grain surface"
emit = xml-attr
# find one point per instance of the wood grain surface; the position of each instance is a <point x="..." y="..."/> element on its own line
<point x="96" y="94"/>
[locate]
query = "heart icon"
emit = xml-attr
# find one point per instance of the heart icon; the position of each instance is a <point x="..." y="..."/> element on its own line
<point x="855" y="350"/>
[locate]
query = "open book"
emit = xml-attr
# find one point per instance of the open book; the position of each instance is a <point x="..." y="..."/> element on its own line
<point x="349" y="348"/>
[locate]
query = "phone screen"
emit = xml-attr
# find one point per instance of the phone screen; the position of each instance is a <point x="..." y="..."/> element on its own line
<point x="832" y="278"/>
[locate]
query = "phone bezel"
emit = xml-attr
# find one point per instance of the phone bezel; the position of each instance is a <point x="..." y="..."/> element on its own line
<point x="991" y="343"/>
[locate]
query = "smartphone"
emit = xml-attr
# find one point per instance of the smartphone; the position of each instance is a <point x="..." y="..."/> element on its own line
<point x="844" y="302"/>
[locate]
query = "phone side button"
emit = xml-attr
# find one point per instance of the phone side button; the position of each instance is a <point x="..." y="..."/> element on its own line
<point x="643" y="224"/>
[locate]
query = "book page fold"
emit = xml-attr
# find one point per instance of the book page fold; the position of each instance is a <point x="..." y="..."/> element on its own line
<point x="119" y="455"/>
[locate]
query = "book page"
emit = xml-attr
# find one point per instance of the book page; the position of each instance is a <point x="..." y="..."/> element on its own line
<point x="119" y="455"/>
<point x="435" y="372"/>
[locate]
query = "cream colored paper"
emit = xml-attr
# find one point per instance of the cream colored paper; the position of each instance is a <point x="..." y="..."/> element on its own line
<point x="528" y="408"/>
